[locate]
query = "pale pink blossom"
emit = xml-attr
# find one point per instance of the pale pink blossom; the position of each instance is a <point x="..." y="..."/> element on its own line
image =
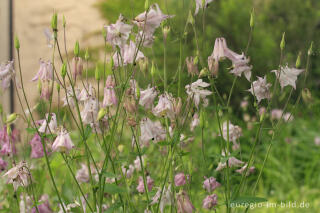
<point x="149" y="21"/>
<point x="3" y="165"/>
<point x="180" y="179"/>
<point x="166" y="198"/>
<point x="118" y="33"/>
<point x="235" y="132"/>
<point x="184" y="204"/>
<point x="151" y="131"/>
<point x="45" y="71"/>
<point x="19" y="175"/>
<point x="70" y="97"/>
<point x="232" y="162"/>
<point x="196" y="92"/>
<point x="240" y="65"/>
<point x="165" y="106"/>
<point x="137" y="164"/>
<point x="317" y="141"/>
<point x="82" y="175"/>
<point x="287" y="76"/>
<point x="192" y="66"/>
<point x="210" y="201"/>
<point x="90" y="111"/>
<point x="210" y="184"/>
<point x="260" y="88"/>
<point x="147" y="39"/>
<point x="147" y="97"/>
<point x="140" y="187"/>
<point x="63" y="142"/>
<point x="129" y="54"/>
<point x="128" y="171"/>
<point x="109" y="96"/>
<point x="51" y="127"/>
<point x="46" y="90"/>
<point x="243" y="169"/>
<point x="44" y="207"/>
<point x="218" y="53"/>
<point x="200" y="4"/>
<point x="195" y="122"/>
<point x="86" y="93"/>
<point x="6" y="74"/>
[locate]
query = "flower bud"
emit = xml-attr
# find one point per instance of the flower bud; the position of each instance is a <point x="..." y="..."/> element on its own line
<point x="9" y="131"/>
<point x="87" y="56"/>
<point x="202" y="119"/>
<point x="153" y="69"/>
<point x="146" y="5"/>
<point x="298" y="61"/>
<point x="64" y="23"/>
<point x="252" y="18"/>
<point x="77" y="49"/>
<point x="104" y="33"/>
<point x="58" y="87"/>
<point x="39" y="86"/>
<point x="190" y="19"/>
<point x="283" y="42"/>
<point x="11" y="118"/>
<point x="121" y="148"/>
<point x="262" y="117"/>
<point x="306" y="95"/>
<point x="64" y="70"/>
<point x="97" y="74"/>
<point x="138" y="91"/>
<point x="54" y="22"/>
<point x="204" y="72"/>
<point x="165" y="31"/>
<point x="310" y="49"/>
<point x="16" y="43"/>
<point x="102" y="112"/>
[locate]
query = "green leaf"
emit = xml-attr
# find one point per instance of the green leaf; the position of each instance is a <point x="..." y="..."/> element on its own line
<point x="109" y="175"/>
<point x="246" y="200"/>
<point x="113" y="207"/>
<point x="113" y="189"/>
<point x="163" y="143"/>
<point x="31" y="130"/>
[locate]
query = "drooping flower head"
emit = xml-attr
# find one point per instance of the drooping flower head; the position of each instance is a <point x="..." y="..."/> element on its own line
<point x="260" y="88"/>
<point x="210" y="201"/>
<point x="76" y="67"/>
<point x="51" y="127"/>
<point x="63" y="142"/>
<point x="6" y="74"/>
<point x="192" y="66"/>
<point x="129" y="54"/>
<point x="3" y="165"/>
<point x="184" y="204"/>
<point x="45" y="71"/>
<point x="147" y="97"/>
<point x="18" y="175"/>
<point x="210" y="184"/>
<point x="44" y="207"/>
<point x="165" y="106"/>
<point x="235" y="132"/>
<point x="243" y="169"/>
<point x="82" y="175"/>
<point x="287" y="76"/>
<point x="201" y="4"/>
<point x="232" y="162"/>
<point x="118" y="33"/>
<point x="140" y="187"/>
<point x="109" y="96"/>
<point x="197" y="92"/>
<point x="36" y="147"/>
<point x="166" y="198"/>
<point x="180" y="179"/>
<point x="151" y="131"/>
<point x="90" y="111"/>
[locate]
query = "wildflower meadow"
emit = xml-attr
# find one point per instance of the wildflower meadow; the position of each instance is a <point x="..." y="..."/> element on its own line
<point x="155" y="124"/>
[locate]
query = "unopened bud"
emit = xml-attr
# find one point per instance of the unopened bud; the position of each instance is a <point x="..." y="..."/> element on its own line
<point x="64" y="70"/>
<point x="310" y="49"/>
<point x="153" y="69"/>
<point x="16" y="42"/>
<point x="64" y="23"/>
<point x="283" y="41"/>
<point x="11" y="118"/>
<point x="166" y="31"/>
<point x="202" y="119"/>
<point x="298" y="61"/>
<point x="143" y="64"/>
<point x="262" y="117"/>
<point x="138" y="91"/>
<point x="58" y="87"/>
<point x="102" y="112"/>
<point x="146" y="5"/>
<point x="203" y="73"/>
<point x="87" y="56"/>
<point x="39" y="86"/>
<point x="9" y="131"/>
<point x="190" y="19"/>
<point x="54" y="22"/>
<point x="104" y="33"/>
<point x="77" y="49"/>
<point x="306" y="95"/>
<point x="121" y="148"/>
<point x="252" y="18"/>
<point x="97" y="74"/>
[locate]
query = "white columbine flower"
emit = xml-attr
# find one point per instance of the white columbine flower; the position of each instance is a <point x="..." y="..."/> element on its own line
<point x="18" y="175"/>
<point x="51" y="127"/>
<point x="90" y="111"/>
<point x="63" y="142"/>
<point x="147" y="97"/>
<point x="197" y="92"/>
<point x="200" y="5"/>
<point x="260" y="88"/>
<point x="151" y="131"/>
<point x="129" y="55"/>
<point x="165" y="106"/>
<point x="234" y="132"/>
<point x="287" y="76"/>
<point x="118" y="33"/>
<point x="45" y="71"/>
<point x="82" y="175"/>
<point x="166" y="198"/>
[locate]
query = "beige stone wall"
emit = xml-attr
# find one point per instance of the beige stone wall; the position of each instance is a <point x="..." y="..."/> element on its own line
<point x="84" y="23"/>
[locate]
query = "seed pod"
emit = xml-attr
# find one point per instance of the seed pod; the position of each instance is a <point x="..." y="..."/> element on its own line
<point x="16" y="43"/>
<point x="77" y="49"/>
<point x="283" y="42"/>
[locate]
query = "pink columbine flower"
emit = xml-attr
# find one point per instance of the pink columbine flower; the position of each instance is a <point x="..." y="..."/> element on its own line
<point x="180" y="179"/>
<point x="201" y="4"/>
<point x="192" y="66"/>
<point x="235" y="132"/>
<point x="118" y="33"/>
<point x="90" y="111"/>
<point x="210" y="184"/>
<point x="63" y="142"/>
<point x="86" y="93"/>
<point x="44" y="207"/>
<point x="166" y="198"/>
<point x="151" y="20"/>
<point x="287" y="76"/>
<point x="195" y="122"/>
<point x="45" y="71"/>
<point x="36" y="147"/>
<point x="76" y="67"/>
<point x="184" y="204"/>
<point x="243" y="169"/>
<point x="151" y="131"/>
<point x="137" y="164"/>
<point x="165" y="106"/>
<point x="51" y="127"/>
<point x="70" y="97"/>
<point x="109" y="98"/>
<point x="140" y="187"/>
<point x="3" y="165"/>
<point x="46" y="90"/>
<point x="233" y="162"/>
<point x="18" y="175"/>
<point x="147" y="97"/>
<point x="82" y="175"/>
<point x="210" y="201"/>
<point x="8" y="143"/>
<point x="6" y="74"/>
<point x="196" y="92"/>
<point x="260" y="88"/>
<point x="129" y="54"/>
